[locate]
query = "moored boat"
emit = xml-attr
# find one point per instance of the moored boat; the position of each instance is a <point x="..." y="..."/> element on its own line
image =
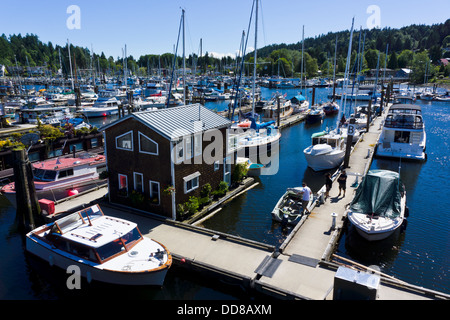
<point x="106" y="249"/>
<point x="327" y="150"/>
<point x="379" y="206"/>
<point x="56" y="179"/>
<point x="403" y="134"/>
<point x="288" y="209"/>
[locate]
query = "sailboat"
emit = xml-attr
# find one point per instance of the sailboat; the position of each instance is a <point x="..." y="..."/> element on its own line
<point x="261" y="138"/>
<point x="327" y="149"/>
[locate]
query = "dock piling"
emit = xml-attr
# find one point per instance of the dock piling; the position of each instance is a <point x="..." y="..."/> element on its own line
<point x="28" y="213"/>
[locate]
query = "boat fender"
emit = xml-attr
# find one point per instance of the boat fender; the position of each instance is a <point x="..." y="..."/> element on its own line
<point x="406" y="212"/>
<point x="98" y="158"/>
<point x="50" y="260"/>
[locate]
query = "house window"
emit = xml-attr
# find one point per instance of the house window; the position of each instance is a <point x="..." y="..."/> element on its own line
<point x="216" y="165"/>
<point x="138" y="182"/>
<point x="154" y="192"/>
<point x="147" y="145"/>
<point x="125" y="141"/>
<point x="123" y="184"/>
<point x="191" y="182"/>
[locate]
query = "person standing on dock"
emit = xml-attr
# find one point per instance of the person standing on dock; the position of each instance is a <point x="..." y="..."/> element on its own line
<point x="306" y="196"/>
<point x="328" y="184"/>
<point x="342" y="180"/>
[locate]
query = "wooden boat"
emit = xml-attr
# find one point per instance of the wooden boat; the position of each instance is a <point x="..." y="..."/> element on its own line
<point x="379" y="205"/>
<point x="288" y="209"/>
<point x="106" y="249"/>
<point x="56" y="179"/>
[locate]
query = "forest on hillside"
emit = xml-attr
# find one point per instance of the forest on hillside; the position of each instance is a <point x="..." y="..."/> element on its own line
<point x="418" y="47"/>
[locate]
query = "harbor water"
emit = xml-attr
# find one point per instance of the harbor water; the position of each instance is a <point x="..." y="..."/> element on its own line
<point x="420" y="255"/>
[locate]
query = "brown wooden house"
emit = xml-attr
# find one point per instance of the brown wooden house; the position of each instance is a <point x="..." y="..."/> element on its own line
<point x="181" y="148"/>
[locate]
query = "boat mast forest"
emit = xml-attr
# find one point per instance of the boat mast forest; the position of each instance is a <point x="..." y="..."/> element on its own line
<point x="409" y="47"/>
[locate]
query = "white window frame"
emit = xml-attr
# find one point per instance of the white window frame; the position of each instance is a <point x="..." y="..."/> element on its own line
<point x="147" y="152"/>
<point x="151" y="191"/>
<point x="135" y="174"/>
<point x="191" y="177"/>
<point x="132" y="146"/>
<point x="126" y="178"/>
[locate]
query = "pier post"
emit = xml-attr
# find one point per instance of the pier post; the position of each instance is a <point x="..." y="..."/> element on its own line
<point x="369" y="114"/>
<point x="28" y="213"/>
<point x="313" y="95"/>
<point x="77" y="97"/>
<point x="348" y="145"/>
<point x="278" y="111"/>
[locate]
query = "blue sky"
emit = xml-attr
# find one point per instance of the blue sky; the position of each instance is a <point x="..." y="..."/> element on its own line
<point x="151" y="26"/>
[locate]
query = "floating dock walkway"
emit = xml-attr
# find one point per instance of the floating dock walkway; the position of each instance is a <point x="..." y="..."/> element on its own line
<point x="300" y="268"/>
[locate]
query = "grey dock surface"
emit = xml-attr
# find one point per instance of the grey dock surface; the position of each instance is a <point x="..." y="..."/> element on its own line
<point x="298" y="269"/>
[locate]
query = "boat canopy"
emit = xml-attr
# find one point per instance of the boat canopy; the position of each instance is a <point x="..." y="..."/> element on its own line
<point x="379" y="194"/>
<point x="298" y="98"/>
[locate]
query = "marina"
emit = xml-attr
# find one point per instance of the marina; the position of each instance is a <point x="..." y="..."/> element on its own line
<point x="212" y="181"/>
<point x="287" y="254"/>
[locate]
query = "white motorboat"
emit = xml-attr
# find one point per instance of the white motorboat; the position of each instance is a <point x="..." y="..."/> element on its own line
<point x="403" y="134"/>
<point x="59" y="178"/>
<point x="288" y="209"/>
<point x="327" y="150"/>
<point x="106" y="249"/>
<point x="379" y="206"/>
<point x="105" y="105"/>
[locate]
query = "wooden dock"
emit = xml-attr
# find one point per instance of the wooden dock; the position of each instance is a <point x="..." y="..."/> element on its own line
<point x="300" y="268"/>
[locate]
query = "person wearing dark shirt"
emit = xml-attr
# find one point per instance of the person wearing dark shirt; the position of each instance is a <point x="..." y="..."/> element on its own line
<point x="342" y="180"/>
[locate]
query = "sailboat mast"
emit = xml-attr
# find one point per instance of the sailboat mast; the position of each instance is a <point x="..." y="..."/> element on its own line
<point x="70" y="62"/>
<point x="303" y="47"/>
<point x="184" y="62"/>
<point x="346" y="74"/>
<point x="255" y="57"/>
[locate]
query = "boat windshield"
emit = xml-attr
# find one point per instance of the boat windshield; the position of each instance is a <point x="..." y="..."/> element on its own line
<point x="117" y="246"/>
<point x="44" y="175"/>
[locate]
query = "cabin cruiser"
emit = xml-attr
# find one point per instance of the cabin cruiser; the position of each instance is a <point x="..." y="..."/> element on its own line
<point x="327" y="150"/>
<point x="106" y="249"/>
<point x="105" y="105"/>
<point x="60" y="178"/>
<point x="379" y="206"/>
<point x="403" y="134"/>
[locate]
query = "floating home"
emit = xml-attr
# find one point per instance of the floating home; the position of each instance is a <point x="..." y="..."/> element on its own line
<point x="159" y="159"/>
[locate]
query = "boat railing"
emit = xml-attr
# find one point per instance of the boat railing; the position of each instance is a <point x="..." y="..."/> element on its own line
<point x="394" y="123"/>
